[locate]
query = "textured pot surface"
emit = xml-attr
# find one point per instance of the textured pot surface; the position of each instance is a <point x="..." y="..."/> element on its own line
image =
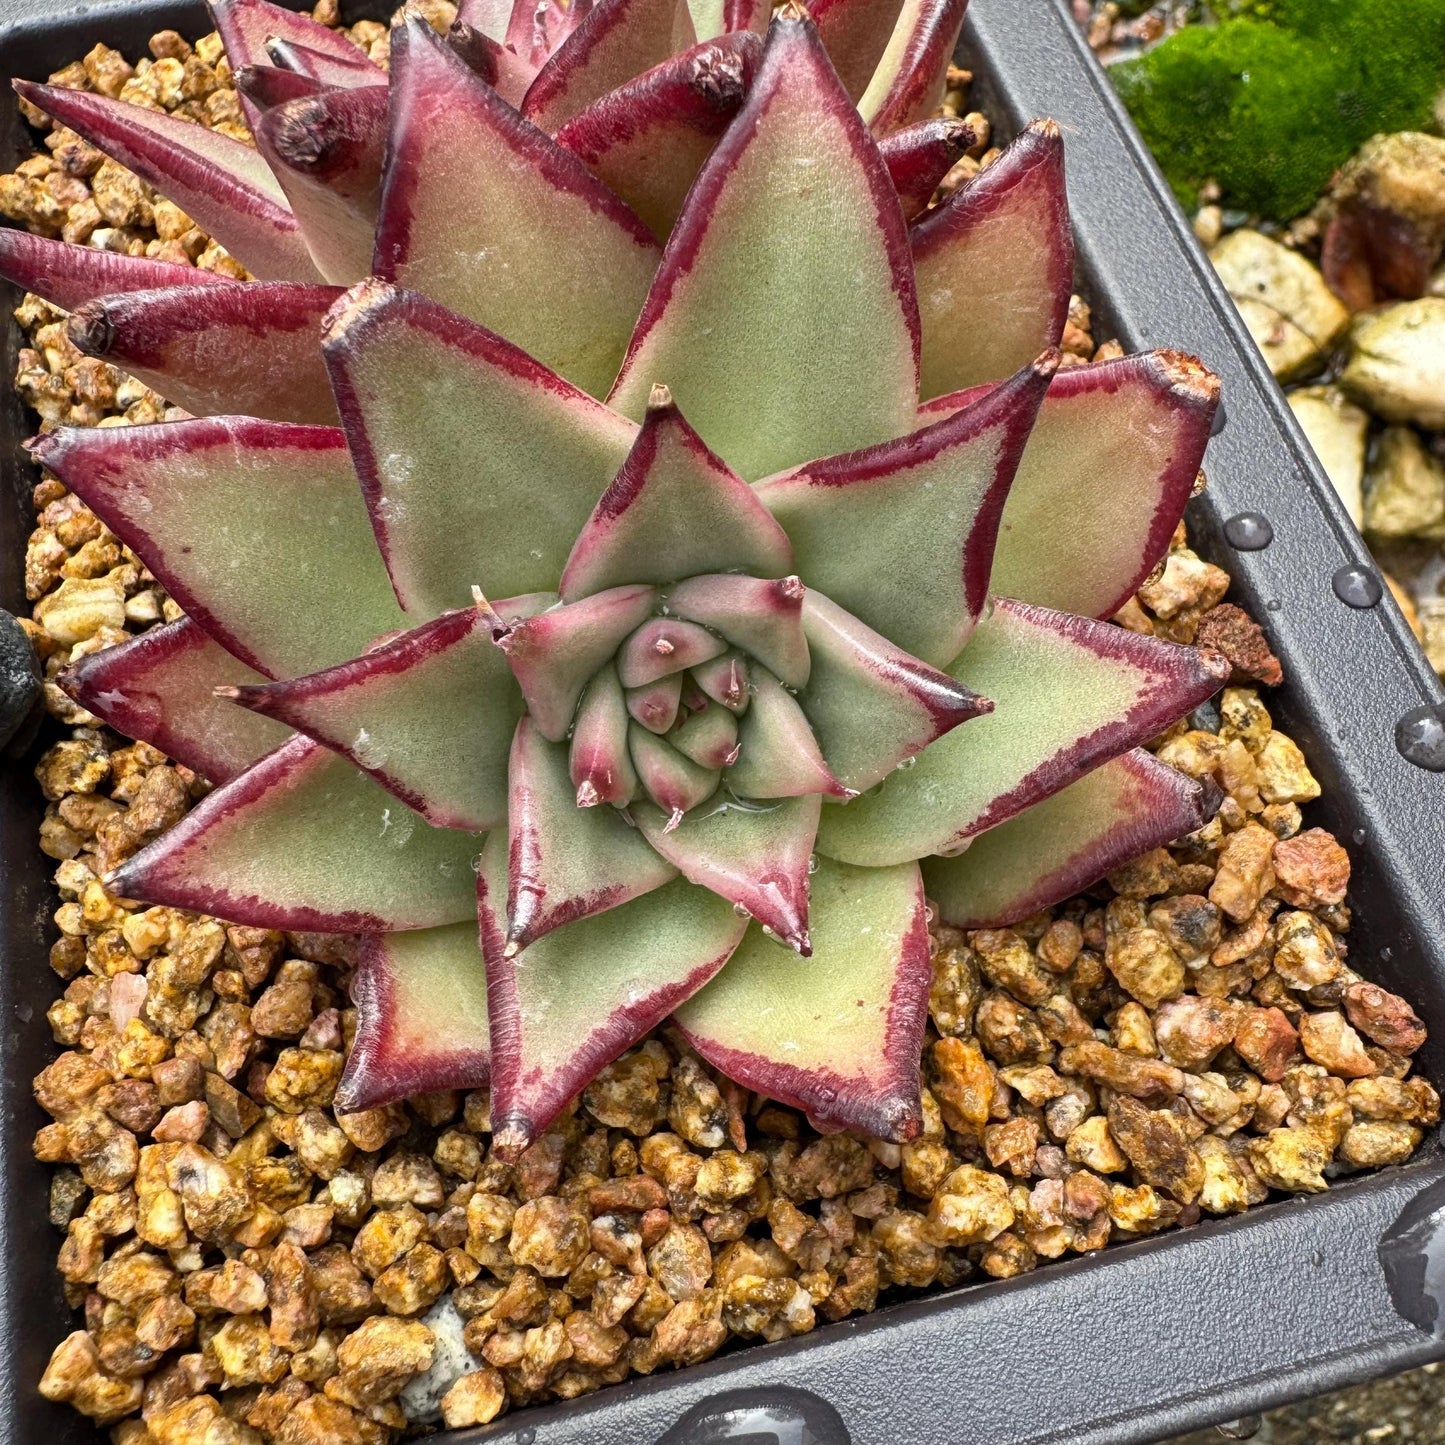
<point x="1133" y="1344"/>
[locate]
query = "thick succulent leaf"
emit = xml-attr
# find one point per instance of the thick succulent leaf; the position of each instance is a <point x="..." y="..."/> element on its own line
<point x="505" y="71"/>
<point x="1109" y="466"/>
<point x="268" y="85"/>
<point x="1049" y="852"/>
<point x="708" y="737"/>
<point x="600" y="764"/>
<point x="483" y="212"/>
<point x="995" y="266"/>
<point x="675" y="783"/>
<point x="326" y="151"/>
<point x="160" y="688"/>
<point x="554" y="654"/>
<point x="253" y="350"/>
<point x="673" y="510"/>
<point x="795" y="212"/>
<point x="68" y="276"/>
<point x="855" y="34"/>
<point x="665" y="645"/>
<point x="1071" y="693"/>
<point x="223" y="185"/>
<point x="247" y="25"/>
<point x="908" y="83"/>
<point x="871" y="705"/>
<point x="840" y="1035"/>
<point x="331" y="71"/>
<point x="755" y="857"/>
<point x="479" y="465"/>
<point x="725" y="680"/>
<point x="618" y="40"/>
<point x="566" y="863"/>
<point x="902" y="534"/>
<point x="656" y="705"/>
<point x="421" y="1016"/>
<point x="778" y="755"/>
<point x="572" y="1002"/>
<point x="920" y="155"/>
<point x="429" y="715"/>
<point x="223" y="510"/>
<point x="536" y="28"/>
<point x="304" y="841"/>
<point x="490" y="17"/>
<point x="647" y="139"/>
<point x="764" y="618"/>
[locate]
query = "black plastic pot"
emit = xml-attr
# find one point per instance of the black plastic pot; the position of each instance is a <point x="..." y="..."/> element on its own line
<point x="1138" y="1342"/>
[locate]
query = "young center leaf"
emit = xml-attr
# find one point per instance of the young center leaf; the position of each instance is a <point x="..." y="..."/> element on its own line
<point x="763" y="617"/>
<point x="673" y="510"/>
<point x="871" y="705"/>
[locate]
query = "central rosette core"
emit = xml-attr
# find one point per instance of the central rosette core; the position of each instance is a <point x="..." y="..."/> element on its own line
<point x="676" y="694"/>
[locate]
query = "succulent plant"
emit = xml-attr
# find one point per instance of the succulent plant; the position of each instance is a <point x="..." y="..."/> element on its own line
<point x="797" y="550"/>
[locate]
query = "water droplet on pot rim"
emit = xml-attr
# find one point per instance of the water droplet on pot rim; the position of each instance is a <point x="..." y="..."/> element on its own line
<point x="1249" y="532"/>
<point x="1357" y="586"/>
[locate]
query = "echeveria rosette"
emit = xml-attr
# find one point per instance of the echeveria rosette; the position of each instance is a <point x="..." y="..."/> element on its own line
<point x="641" y="605"/>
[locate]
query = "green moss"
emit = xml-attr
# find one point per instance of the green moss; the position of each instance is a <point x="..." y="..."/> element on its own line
<point x="1270" y="107"/>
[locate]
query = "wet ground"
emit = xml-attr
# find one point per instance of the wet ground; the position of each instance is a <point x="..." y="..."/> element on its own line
<point x="1407" y="1409"/>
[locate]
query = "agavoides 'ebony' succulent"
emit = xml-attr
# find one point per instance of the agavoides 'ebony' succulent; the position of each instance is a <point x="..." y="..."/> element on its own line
<point x="738" y="458"/>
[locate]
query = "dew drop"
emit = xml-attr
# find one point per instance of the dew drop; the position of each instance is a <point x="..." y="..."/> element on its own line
<point x="526" y="1436"/>
<point x="1358" y="836"/>
<point x="1248" y="532"/>
<point x="1317" y="1257"/>
<point x="1273" y="605"/>
<point x="741" y="910"/>
<point x="1357" y="586"/>
<point x="907" y="763"/>
<point x="1420" y="737"/>
<point x="812" y="862"/>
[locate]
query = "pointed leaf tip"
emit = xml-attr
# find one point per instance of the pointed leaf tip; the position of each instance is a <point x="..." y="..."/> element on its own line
<point x="755" y="857"/>
<point x="221" y="183"/>
<point x="565" y="865"/>
<point x="303" y="841"/>
<point x="1109" y="467"/>
<point x="159" y="688"/>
